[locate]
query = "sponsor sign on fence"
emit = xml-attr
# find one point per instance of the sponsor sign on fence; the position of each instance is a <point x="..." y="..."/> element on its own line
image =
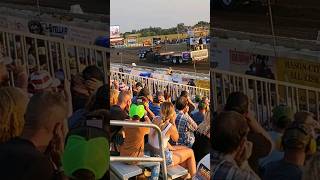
<point x="299" y="72"/>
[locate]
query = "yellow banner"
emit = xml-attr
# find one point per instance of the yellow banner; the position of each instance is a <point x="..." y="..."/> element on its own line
<point x="298" y="71"/>
<point x="203" y="84"/>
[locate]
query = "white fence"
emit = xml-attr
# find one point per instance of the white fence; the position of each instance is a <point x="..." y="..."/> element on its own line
<point x="154" y="85"/>
<point x="264" y="93"/>
<point x="38" y="52"/>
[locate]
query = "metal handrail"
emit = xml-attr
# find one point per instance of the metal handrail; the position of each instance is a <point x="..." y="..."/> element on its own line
<point x="162" y="159"/>
<point x="264" y="93"/>
<point x="92" y="54"/>
<point x="154" y="84"/>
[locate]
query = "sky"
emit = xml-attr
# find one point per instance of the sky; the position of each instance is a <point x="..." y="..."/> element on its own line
<point x="137" y="14"/>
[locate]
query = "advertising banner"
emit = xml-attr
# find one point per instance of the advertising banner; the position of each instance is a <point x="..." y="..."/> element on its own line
<point x="203" y="84"/>
<point x="114" y="31"/>
<point x="132" y="40"/>
<point x="298" y="71"/>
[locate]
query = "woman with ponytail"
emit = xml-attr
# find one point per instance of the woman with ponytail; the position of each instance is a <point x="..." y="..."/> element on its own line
<point x="175" y="155"/>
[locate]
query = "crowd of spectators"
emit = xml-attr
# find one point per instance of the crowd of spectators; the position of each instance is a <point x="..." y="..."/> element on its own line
<point x="53" y="128"/>
<point x="182" y="136"/>
<point x="58" y="128"/>
<point x="243" y="149"/>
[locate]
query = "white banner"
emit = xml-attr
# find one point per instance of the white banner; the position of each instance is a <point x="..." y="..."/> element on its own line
<point x="69" y="32"/>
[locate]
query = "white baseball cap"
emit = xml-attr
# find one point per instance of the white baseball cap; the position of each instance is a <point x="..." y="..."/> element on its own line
<point x="41" y="80"/>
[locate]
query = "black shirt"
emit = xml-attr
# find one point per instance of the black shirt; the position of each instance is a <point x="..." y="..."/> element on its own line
<point x="201" y="146"/>
<point x="282" y="170"/>
<point x="118" y="114"/>
<point x="20" y="160"/>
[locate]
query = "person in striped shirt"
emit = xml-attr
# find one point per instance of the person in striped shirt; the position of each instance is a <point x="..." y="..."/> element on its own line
<point x="185" y="124"/>
<point x="231" y="149"/>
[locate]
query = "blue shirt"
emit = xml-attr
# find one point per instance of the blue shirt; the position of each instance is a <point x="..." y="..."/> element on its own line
<point x="155" y="108"/>
<point x="198" y="117"/>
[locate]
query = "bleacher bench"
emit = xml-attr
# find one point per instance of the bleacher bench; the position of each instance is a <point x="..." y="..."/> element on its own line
<point x="175" y="172"/>
<point x="125" y="171"/>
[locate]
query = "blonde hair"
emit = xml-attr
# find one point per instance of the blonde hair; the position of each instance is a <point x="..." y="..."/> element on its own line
<point x="204" y="127"/>
<point x="312" y="168"/>
<point x="13" y="104"/>
<point x="114" y="97"/>
<point x="167" y="113"/>
<point x="45" y="109"/>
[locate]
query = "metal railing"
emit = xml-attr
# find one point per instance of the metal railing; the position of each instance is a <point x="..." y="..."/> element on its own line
<point x="161" y="159"/>
<point x="264" y="94"/>
<point x="51" y="53"/>
<point x="154" y="85"/>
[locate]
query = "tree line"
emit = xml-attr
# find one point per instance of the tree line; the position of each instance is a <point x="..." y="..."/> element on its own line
<point x="155" y="31"/>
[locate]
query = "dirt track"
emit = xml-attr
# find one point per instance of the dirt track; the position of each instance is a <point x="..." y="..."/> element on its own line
<point x="297" y="22"/>
<point x="130" y="55"/>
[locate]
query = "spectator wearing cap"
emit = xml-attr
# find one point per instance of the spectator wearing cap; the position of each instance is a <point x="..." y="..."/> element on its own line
<point x="298" y="143"/>
<point x="198" y="116"/>
<point x="262" y="143"/>
<point x="37" y="152"/>
<point x="123" y="87"/>
<point x="13" y="104"/>
<point x="281" y="118"/>
<point x="146" y="99"/>
<point x="86" y="154"/>
<point x="155" y="105"/>
<point x="42" y="81"/>
<point x="133" y="145"/>
<point x="185" y="124"/>
<point x="137" y="88"/>
<point x="231" y="149"/>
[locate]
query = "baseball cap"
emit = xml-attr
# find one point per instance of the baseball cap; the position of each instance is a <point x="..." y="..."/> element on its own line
<point x="139" y="84"/>
<point x="123" y="87"/>
<point x="41" y="80"/>
<point x="297" y="136"/>
<point x="144" y="92"/>
<point x="136" y="110"/>
<point x="281" y="111"/>
<point x="197" y="98"/>
<point x="6" y="60"/>
<point x="86" y="148"/>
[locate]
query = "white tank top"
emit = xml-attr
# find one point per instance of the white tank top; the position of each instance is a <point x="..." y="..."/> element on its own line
<point x="154" y="141"/>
